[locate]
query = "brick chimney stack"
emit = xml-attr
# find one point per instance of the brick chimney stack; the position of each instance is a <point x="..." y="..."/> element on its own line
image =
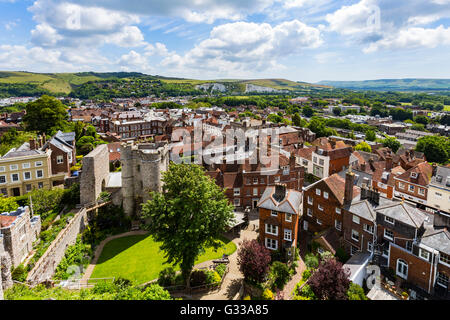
<point x="32" y="144"/>
<point x="348" y="193"/>
<point x="388" y="163"/>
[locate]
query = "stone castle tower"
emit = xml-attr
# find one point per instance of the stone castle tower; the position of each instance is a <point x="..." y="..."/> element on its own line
<point x="142" y="166"/>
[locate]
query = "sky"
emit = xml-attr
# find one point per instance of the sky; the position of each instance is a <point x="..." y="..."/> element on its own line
<point x="299" y="40"/>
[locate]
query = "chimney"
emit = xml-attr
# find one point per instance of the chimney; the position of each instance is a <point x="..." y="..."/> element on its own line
<point x="292" y="159"/>
<point x="280" y="192"/>
<point x="363" y="166"/>
<point x="348" y="193"/>
<point x="371" y="164"/>
<point x="44" y="138"/>
<point x="434" y="169"/>
<point x="388" y="163"/>
<point x="32" y="144"/>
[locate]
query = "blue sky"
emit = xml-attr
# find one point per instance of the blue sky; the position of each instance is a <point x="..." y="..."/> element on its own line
<point x="301" y="40"/>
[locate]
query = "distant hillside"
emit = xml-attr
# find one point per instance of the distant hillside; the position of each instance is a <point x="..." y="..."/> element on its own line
<point x="393" y="84"/>
<point x="28" y="83"/>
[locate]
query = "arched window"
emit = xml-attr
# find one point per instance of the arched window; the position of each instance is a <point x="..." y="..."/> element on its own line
<point x="402" y="269"/>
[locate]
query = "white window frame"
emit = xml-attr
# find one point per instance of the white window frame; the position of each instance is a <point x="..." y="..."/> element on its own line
<point x="13" y="167"/>
<point x="446" y="260"/>
<point x="388" y="220"/>
<point x="286" y="217"/>
<point x="270" y="242"/>
<point x="237" y="191"/>
<point x="421" y="191"/>
<point x="404" y="265"/>
<point x="2" y="169"/>
<point x="319" y="206"/>
<point x="411" y="188"/>
<point x="325" y="195"/>
<point x="255" y="191"/>
<point x="236" y="202"/>
<point x="310" y="200"/>
<point x="401" y="185"/>
<point x="387" y="236"/>
<point x="319" y="222"/>
<point x="15" y="174"/>
<point x="355" y="238"/>
<point x="288" y="234"/>
<point x="338" y="225"/>
<point x="26" y="165"/>
<point x="423" y="252"/>
<point x="6" y="180"/>
<point x="38" y="163"/>
<point x="338" y="210"/>
<point x="274" y="213"/>
<point x="31" y="176"/>
<point x="37" y="174"/>
<point x="438" y="280"/>
<point x="59" y="159"/>
<point x="309" y="212"/>
<point x="368" y="228"/>
<point x="318" y="191"/>
<point x="270" y="228"/>
<point x="356" y="219"/>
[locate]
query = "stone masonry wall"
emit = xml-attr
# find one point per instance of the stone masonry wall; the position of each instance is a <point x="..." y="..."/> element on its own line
<point x="94" y="175"/>
<point x="46" y="265"/>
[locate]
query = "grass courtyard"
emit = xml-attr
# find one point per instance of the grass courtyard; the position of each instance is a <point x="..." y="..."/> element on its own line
<point x="139" y="258"/>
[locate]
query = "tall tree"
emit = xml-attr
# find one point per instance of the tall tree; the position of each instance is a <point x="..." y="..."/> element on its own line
<point x="392" y="144"/>
<point x="435" y="148"/>
<point x="363" y="146"/>
<point x="45" y="115"/>
<point x="189" y="214"/>
<point x="370" y="135"/>
<point x="330" y="281"/>
<point x="253" y="260"/>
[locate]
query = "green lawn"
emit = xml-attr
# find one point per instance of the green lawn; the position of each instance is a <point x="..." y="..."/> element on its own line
<point x="138" y="258"/>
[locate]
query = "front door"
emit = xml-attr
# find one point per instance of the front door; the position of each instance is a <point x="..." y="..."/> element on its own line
<point x="16" y="192"/>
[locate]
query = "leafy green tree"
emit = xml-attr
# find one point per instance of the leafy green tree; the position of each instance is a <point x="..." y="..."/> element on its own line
<point x="45" y="115"/>
<point x="435" y="148"/>
<point x="189" y="215"/>
<point x="421" y="119"/>
<point x="297" y="120"/>
<point x="392" y="144"/>
<point x="370" y="135"/>
<point x="8" y="205"/>
<point x="279" y="274"/>
<point x="337" y="111"/>
<point x="308" y="111"/>
<point x="363" y="146"/>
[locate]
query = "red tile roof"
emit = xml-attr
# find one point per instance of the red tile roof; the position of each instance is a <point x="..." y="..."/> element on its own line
<point x="6" y="221"/>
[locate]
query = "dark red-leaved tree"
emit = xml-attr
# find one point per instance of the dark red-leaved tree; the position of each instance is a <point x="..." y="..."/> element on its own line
<point x="253" y="260"/>
<point x="330" y="281"/>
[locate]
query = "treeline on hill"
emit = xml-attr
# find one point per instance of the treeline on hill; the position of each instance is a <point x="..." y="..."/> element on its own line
<point x="135" y="88"/>
<point x="21" y="90"/>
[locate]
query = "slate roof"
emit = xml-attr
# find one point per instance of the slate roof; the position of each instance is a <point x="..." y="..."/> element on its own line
<point x="290" y="204"/>
<point x="442" y="177"/>
<point x="437" y="239"/>
<point x="404" y="213"/>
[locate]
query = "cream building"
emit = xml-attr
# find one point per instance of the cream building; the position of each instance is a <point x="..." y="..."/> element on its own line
<point x="25" y="169"/>
<point x="439" y="190"/>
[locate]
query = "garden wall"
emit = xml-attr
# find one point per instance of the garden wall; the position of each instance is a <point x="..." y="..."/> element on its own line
<point x="46" y="265"/>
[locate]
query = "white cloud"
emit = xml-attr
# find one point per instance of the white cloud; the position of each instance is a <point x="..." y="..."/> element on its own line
<point x="246" y="47"/>
<point x="158" y="49"/>
<point x="357" y="18"/>
<point x="413" y="38"/>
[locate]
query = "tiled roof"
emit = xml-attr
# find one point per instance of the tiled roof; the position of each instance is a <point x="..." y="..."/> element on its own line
<point x="336" y="184"/>
<point x="6" y="221"/>
<point x="424" y="172"/>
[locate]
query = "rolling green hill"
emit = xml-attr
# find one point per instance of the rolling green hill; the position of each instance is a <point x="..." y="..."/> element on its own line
<point x="66" y="83"/>
<point x="412" y="84"/>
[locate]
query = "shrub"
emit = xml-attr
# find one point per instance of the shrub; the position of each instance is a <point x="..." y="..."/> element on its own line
<point x="267" y="295"/>
<point x="8" y="204"/>
<point x="221" y="268"/>
<point x="212" y="277"/>
<point x="247" y="297"/>
<point x="305" y="293"/>
<point x="311" y="261"/>
<point x="279" y="273"/>
<point x="355" y="292"/>
<point x="306" y="274"/>
<point x="198" y="278"/>
<point x="19" y="273"/>
<point x="253" y="260"/>
<point x="167" y="277"/>
<point x="341" y="255"/>
<point x="155" y="292"/>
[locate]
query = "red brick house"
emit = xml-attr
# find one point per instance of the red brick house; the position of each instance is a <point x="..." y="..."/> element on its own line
<point x="413" y="184"/>
<point x="279" y="212"/>
<point x="324" y="201"/>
